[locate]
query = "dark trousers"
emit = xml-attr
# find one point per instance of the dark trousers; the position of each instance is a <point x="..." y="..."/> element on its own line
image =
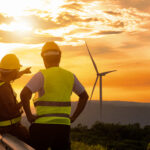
<point x="57" y="137"/>
<point x="17" y="130"/>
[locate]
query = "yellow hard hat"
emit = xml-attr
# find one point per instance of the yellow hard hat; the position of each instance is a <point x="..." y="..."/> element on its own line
<point x="50" y="48"/>
<point x="10" y="61"/>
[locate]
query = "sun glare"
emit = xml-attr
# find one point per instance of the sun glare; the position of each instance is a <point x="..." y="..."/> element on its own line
<point x="3" y="53"/>
<point x="13" y="8"/>
<point x="3" y="50"/>
<point x="6" y="48"/>
<point x="20" y="26"/>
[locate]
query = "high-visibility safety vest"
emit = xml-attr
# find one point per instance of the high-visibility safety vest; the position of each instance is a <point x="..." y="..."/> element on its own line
<point x="2" y="83"/>
<point x="11" y="121"/>
<point x="54" y="107"/>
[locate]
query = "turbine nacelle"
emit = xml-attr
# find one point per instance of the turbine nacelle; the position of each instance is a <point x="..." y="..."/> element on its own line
<point x="100" y="75"/>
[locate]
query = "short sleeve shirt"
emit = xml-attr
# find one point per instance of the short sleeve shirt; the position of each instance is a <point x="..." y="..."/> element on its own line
<point x="36" y="84"/>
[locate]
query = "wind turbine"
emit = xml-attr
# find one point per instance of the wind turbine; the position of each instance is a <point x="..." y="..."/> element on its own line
<point x="99" y="75"/>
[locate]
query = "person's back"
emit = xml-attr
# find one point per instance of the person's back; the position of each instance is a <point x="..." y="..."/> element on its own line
<point x="51" y="125"/>
<point x="58" y="85"/>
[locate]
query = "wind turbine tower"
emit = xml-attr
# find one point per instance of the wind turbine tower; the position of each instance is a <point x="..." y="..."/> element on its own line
<point x="100" y="76"/>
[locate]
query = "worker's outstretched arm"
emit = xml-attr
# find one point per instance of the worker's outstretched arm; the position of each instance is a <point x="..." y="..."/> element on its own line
<point x="25" y="96"/>
<point x="26" y="71"/>
<point x="83" y="98"/>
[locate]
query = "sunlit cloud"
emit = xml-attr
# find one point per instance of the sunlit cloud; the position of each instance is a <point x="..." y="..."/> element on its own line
<point x="19" y="26"/>
<point x="142" y="5"/>
<point x="60" y="18"/>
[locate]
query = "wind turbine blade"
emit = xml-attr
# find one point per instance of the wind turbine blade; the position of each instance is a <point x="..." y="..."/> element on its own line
<point x="94" y="87"/>
<point x="91" y="57"/>
<point x="104" y="73"/>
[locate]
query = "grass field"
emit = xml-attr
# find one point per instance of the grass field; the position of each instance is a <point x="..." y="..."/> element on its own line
<point x="82" y="146"/>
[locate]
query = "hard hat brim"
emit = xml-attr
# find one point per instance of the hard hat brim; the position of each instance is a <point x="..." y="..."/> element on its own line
<point x="6" y="70"/>
<point x="9" y="68"/>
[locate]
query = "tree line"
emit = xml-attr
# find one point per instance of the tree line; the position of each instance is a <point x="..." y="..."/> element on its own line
<point x="113" y="136"/>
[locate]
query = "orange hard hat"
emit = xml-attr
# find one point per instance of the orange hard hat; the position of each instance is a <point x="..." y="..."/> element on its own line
<point x="50" y="48"/>
<point x="10" y="61"/>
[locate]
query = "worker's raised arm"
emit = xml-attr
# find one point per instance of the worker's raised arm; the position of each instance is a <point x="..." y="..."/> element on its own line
<point x="83" y="98"/>
<point x="32" y="87"/>
<point x="26" y="71"/>
<point x="25" y="96"/>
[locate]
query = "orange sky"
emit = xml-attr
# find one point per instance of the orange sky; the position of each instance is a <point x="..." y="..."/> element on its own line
<point x="117" y="33"/>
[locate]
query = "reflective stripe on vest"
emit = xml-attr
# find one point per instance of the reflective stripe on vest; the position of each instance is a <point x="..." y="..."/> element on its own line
<point x="10" y="122"/>
<point x="51" y="103"/>
<point x="2" y="83"/>
<point x="54" y="107"/>
<point x="55" y="115"/>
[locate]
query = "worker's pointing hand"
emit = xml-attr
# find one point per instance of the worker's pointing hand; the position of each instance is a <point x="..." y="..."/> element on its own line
<point x="27" y="70"/>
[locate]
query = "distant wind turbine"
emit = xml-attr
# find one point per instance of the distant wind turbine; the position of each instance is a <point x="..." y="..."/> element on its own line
<point x="99" y="75"/>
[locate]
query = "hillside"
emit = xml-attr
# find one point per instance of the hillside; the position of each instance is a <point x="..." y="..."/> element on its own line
<point x="113" y="112"/>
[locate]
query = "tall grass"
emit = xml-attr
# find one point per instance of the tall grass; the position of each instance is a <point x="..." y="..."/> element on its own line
<point x="82" y="146"/>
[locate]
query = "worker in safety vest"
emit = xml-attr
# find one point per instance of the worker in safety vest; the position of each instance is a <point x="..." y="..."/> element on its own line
<point x="10" y="114"/>
<point x="51" y="124"/>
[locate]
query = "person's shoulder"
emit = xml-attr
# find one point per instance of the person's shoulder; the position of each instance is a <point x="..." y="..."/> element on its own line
<point x="36" y="82"/>
<point x="41" y="71"/>
<point x="38" y="74"/>
<point x="4" y="87"/>
<point x="68" y="71"/>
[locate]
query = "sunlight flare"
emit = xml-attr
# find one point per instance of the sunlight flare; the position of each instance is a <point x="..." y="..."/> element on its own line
<point x="20" y="26"/>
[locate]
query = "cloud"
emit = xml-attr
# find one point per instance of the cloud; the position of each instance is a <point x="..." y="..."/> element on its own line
<point x="143" y="5"/>
<point x="36" y="39"/>
<point x="108" y="32"/>
<point x="73" y="6"/>
<point x="5" y="19"/>
<point x="66" y="18"/>
<point x="80" y="30"/>
<point x="113" y="13"/>
<point x="28" y="38"/>
<point x="100" y="48"/>
<point x="42" y="23"/>
<point x="88" y="1"/>
<point x="118" y="24"/>
<point x="79" y="20"/>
